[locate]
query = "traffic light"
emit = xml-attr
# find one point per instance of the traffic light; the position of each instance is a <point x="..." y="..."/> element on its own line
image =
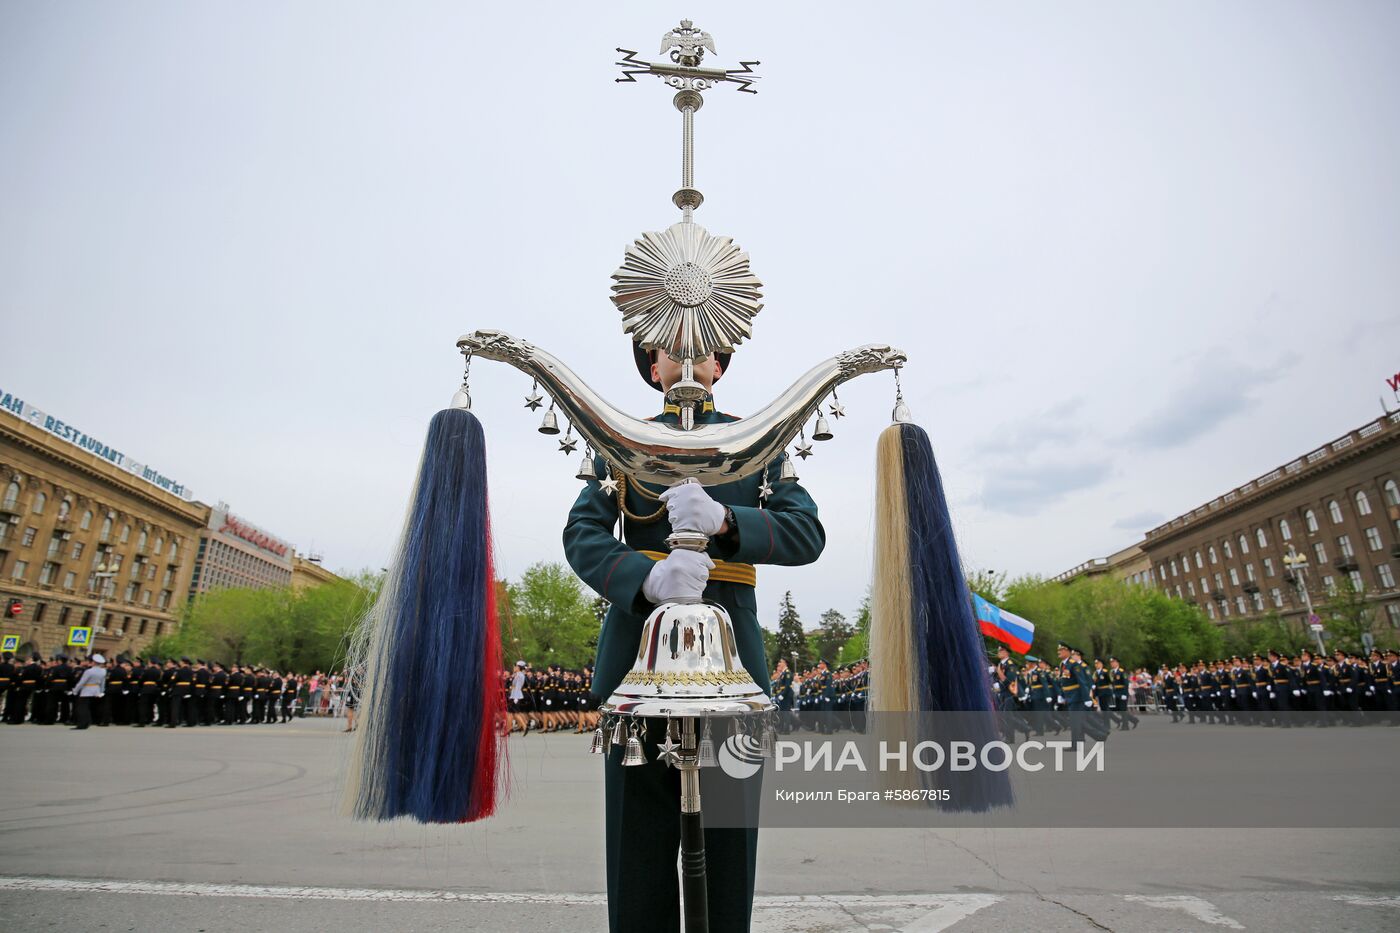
<point x="13" y="610"/>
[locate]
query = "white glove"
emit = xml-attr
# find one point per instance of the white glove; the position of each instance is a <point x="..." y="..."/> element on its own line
<point x="1297" y="693"/>
<point x="1327" y="693"/>
<point x="690" y="508"/>
<point x="682" y="575"/>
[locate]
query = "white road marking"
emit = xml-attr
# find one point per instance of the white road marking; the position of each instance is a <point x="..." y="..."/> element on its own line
<point x="1199" y="908"/>
<point x="1369" y="900"/>
<point x="812" y="913"/>
<point x="836" y="913"/>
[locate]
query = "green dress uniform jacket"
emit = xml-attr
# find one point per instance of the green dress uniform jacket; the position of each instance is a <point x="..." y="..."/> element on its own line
<point x="642" y="803"/>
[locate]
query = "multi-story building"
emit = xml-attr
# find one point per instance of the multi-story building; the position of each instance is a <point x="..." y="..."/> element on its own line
<point x="83" y="529"/>
<point x="1131" y="565"/>
<point x="1336" y="507"/>
<point x="307" y="572"/>
<point x="233" y="552"/>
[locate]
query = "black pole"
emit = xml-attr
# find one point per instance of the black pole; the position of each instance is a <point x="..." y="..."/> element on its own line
<point x="694" y="888"/>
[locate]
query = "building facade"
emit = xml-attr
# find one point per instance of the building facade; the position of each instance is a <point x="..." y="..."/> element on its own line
<point x="307" y="572"/>
<point x="82" y="531"/>
<point x="1337" y="508"/>
<point x="1130" y="565"/>
<point x="233" y="552"/>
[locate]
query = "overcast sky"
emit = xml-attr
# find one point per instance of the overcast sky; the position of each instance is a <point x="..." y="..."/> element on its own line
<point x="1138" y="253"/>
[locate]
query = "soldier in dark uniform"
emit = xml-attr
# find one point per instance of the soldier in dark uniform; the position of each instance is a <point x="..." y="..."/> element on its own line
<point x="148" y="692"/>
<point x="110" y="706"/>
<point x="217" y="697"/>
<point x="1076" y="691"/>
<point x="780" y="689"/>
<point x="642" y="802"/>
<point x="1119" y="679"/>
<point x="1314" y="690"/>
<point x="1103" y="693"/>
<point x="27" y="682"/>
<point x="1284" y="689"/>
<point x="289" y="695"/>
<point x="1171" y="693"/>
<point x="261" y="682"/>
<point x="199" y="695"/>
<point x="8" y="672"/>
<point x="58" y="680"/>
<point x="274" y="695"/>
<point x="825" y="693"/>
<point x="237" y="702"/>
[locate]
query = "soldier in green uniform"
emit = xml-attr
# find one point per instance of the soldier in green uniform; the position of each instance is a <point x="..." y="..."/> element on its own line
<point x="1075" y="687"/>
<point x="643" y="802"/>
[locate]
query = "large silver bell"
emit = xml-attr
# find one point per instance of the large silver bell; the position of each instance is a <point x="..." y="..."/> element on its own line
<point x="634" y="755"/>
<point x="550" y="425"/>
<point x="788" y="473"/>
<point x="585" y="469"/>
<point x="822" y="431"/>
<point x="598" y="742"/>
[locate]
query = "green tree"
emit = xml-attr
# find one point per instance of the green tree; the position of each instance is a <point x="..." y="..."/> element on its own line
<point x="549" y="617"/>
<point x="791" y="638"/>
<point x="988" y="584"/>
<point x="831" y="638"/>
<point x="1349" y="615"/>
<point x="858" y="646"/>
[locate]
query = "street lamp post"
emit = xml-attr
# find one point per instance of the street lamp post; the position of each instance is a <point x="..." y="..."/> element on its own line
<point x="1299" y="565"/>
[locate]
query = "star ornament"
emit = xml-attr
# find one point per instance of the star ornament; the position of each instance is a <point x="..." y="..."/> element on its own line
<point x="568" y="445"/>
<point x="608" y="485"/>
<point x="765" y="489"/>
<point x="804" y="449"/>
<point x="669" y="751"/>
<point x="837" y="409"/>
<point x="533" y="401"/>
<point x="686" y="292"/>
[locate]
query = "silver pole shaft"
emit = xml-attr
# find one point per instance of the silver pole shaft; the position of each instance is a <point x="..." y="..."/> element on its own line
<point x="687" y="156"/>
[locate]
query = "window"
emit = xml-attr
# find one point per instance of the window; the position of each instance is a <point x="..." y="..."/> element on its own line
<point x="1363" y="504"/>
<point x="1219" y="585"/>
<point x="39" y="612"/>
<point x="160" y="628"/>
<point x="1173" y="566"/>
<point x="11" y="495"/>
<point x="1392" y="492"/>
<point x="1234" y="577"/>
<point x="1178" y="591"/>
<point x="1225" y="610"/>
<point x="86" y="523"/>
<point x="63" y="616"/>
<point x="1386" y="577"/>
<point x="1311" y="518"/>
<point x="1277" y="597"/>
<point x="141" y="630"/>
<point x="1244" y="544"/>
<point x="1393" y="610"/>
<point x="145" y="597"/>
<point x="1320" y="551"/>
<point x="126" y="534"/>
<point x="1204" y="589"/>
<point x="160" y="543"/>
<point x="164" y="599"/>
<point x="106" y="529"/>
<point x="40" y="500"/>
<point x="1329" y="585"/>
<point x="29" y="534"/>
<point x="1357" y="583"/>
<point x="64" y="508"/>
<point x="1373" y="539"/>
<point x="173" y="551"/>
<point x="1249" y="572"/>
<point x="1239" y="604"/>
<point x="1344" y="546"/>
<point x="46" y="573"/>
<point x="1210" y="610"/>
<point x="1190" y="588"/>
<point x="1258" y="602"/>
<point x="1284" y="531"/>
<point x="1199" y="565"/>
<point x="1225" y="545"/>
<point x="130" y="592"/>
<point x="1162" y="572"/>
<point x="55" y="543"/>
<point x="141" y="541"/>
<point x="1335" y="511"/>
<point x="69" y="579"/>
<point x="20" y="571"/>
<point x="1268" y="566"/>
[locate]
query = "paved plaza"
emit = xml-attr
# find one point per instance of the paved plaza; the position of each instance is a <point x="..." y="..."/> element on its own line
<point x="219" y="829"/>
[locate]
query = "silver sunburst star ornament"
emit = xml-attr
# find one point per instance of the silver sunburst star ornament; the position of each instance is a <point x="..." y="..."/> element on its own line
<point x="568" y="445"/>
<point x="687" y="292"/>
<point x="533" y="401"/>
<point x="837" y="409"/>
<point x="609" y="486"/>
<point x="669" y="751"/>
<point x="804" y="449"/>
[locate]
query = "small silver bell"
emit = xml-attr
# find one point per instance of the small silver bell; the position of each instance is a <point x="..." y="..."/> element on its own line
<point x="822" y="431"/>
<point x="765" y="741"/>
<point x="597" y="748"/>
<point x="901" y="413"/>
<point x="788" y="474"/>
<point x="462" y="399"/>
<point x="634" y="755"/>
<point x="705" y="751"/>
<point x="585" y="469"/>
<point x="605" y="724"/>
<point x="619" y="735"/>
<point x="550" y="425"/>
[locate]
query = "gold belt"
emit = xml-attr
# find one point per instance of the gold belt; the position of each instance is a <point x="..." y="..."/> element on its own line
<point x="724" y="571"/>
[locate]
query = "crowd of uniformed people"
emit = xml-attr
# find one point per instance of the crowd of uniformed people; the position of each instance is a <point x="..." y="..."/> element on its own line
<point x="549" y="700"/>
<point x="146" y="691"/>
<point x="1268" y="689"/>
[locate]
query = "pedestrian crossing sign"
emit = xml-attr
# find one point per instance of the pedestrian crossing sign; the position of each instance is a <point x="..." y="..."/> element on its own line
<point x="79" y="636"/>
<point x="10" y="643"/>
